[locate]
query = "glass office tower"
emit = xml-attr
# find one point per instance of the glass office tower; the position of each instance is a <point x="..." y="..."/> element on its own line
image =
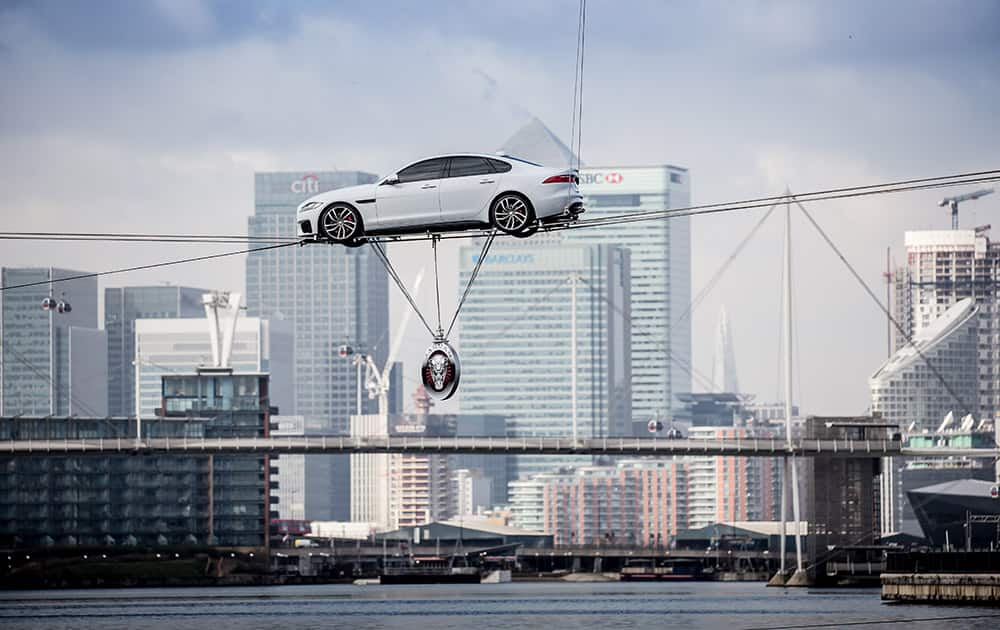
<point x="515" y="341"/>
<point x="53" y="361"/>
<point x="661" y="275"/>
<point x="124" y="305"/>
<point x="331" y="295"/>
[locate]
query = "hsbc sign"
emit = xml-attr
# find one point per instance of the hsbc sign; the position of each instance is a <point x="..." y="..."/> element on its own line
<point x="628" y="180"/>
<point x="601" y="177"/>
<point x="307" y="184"/>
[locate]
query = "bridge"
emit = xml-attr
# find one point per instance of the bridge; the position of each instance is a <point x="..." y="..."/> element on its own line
<point x="318" y="445"/>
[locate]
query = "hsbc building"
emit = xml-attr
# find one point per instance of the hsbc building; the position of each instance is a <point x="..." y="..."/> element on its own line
<point x="661" y="274"/>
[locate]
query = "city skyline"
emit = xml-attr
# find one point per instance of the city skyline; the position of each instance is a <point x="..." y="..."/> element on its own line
<point x="876" y="98"/>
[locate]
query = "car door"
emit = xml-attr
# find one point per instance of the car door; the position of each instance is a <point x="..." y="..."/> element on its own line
<point x="413" y="199"/>
<point x="467" y="189"/>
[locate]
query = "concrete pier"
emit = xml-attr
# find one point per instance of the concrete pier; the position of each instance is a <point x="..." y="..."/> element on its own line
<point x="971" y="588"/>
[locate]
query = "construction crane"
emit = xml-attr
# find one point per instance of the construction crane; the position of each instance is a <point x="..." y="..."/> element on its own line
<point x="376" y="381"/>
<point x="954" y="201"/>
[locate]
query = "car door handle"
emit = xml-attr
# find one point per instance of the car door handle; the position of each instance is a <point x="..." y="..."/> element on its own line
<point x="487" y="181"/>
<point x="426" y="186"/>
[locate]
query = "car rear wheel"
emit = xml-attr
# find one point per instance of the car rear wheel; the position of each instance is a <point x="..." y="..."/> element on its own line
<point x="512" y="214"/>
<point x="341" y="223"/>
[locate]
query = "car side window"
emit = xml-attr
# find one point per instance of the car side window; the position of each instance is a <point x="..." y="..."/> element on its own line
<point x="466" y="166"/>
<point x="499" y="166"/>
<point x="428" y="169"/>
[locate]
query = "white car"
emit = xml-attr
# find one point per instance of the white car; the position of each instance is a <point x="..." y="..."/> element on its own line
<point x="446" y="193"/>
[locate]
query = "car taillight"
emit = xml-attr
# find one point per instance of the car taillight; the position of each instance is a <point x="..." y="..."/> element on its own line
<point x="562" y="179"/>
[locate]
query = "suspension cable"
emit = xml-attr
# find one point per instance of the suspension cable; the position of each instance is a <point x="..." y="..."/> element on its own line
<point x="703" y="293"/>
<point x="472" y="279"/>
<point x="689" y="369"/>
<point x="380" y="252"/>
<point x="437" y="288"/>
<point x="884" y="309"/>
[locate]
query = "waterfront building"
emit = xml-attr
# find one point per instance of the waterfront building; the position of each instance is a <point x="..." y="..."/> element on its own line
<point x="330" y="296"/>
<point x="402" y="489"/>
<point x="526" y="499"/>
<point x="154" y="500"/>
<point x="722" y="488"/>
<point x="660" y="261"/>
<point x="516" y="338"/>
<point x="124" y="305"/>
<point x="913" y="473"/>
<point x="907" y="389"/>
<point x="52" y="362"/>
<point x="170" y="346"/>
<point x="634" y="502"/>
<point x="944" y="267"/>
<point x="944" y="512"/>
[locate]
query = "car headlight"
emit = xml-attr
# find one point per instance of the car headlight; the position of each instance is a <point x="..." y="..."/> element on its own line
<point x="309" y="206"/>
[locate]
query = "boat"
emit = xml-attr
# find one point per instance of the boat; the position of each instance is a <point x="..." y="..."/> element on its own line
<point x="427" y="570"/>
<point x="648" y="569"/>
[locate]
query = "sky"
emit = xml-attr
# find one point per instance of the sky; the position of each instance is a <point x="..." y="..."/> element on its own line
<point x="153" y="116"/>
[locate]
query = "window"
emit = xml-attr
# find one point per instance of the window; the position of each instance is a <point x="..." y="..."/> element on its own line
<point x="468" y="166"/>
<point x="428" y="169"/>
<point x="499" y="165"/>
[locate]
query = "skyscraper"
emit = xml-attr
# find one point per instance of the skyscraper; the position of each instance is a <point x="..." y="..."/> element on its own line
<point x="660" y="261"/>
<point x="124" y="305"/>
<point x="908" y="388"/>
<point x="516" y="332"/>
<point x="52" y="361"/>
<point x="331" y="296"/>
<point x="724" y="364"/>
<point x="942" y="268"/>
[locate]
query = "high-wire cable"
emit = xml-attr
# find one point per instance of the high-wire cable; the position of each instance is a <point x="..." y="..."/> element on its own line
<point x="243" y="238"/>
<point x="166" y="263"/>
<point x="110" y="239"/>
<point x="823" y="195"/>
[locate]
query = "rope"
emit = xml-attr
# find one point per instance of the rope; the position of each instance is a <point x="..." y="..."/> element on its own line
<point x="472" y="279"/>
<point x="377" y="248"/>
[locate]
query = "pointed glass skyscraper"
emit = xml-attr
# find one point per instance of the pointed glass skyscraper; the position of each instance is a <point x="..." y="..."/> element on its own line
<point x="724" y="364"/>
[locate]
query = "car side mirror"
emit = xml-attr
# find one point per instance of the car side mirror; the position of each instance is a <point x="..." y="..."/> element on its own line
<point x="391" y="180"/>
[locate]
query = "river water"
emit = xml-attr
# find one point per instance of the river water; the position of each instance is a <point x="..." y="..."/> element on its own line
<point x="544" y="605"/>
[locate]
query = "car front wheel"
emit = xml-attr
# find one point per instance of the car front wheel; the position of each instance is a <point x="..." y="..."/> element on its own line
<point x="512" y="214"/>
<point x="341" y="223"/>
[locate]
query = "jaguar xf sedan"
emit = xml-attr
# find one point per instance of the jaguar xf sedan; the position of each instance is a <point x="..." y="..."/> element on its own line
<point x="446" y="193"/>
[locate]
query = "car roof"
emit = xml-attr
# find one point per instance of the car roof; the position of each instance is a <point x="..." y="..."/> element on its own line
<point x="492" y="156"/>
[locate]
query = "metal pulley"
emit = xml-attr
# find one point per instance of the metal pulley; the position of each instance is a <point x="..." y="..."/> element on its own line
<point x="441" y="370"/>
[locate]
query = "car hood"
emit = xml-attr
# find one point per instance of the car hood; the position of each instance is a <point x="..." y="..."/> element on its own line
<point x="350" y="194"/>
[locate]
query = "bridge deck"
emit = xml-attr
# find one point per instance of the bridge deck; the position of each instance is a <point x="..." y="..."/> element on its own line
<point x="311" y="445"/>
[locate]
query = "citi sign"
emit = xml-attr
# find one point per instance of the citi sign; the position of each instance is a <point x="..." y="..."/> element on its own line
<point x="308" y="184"/>
<point x="601" y="178"/>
